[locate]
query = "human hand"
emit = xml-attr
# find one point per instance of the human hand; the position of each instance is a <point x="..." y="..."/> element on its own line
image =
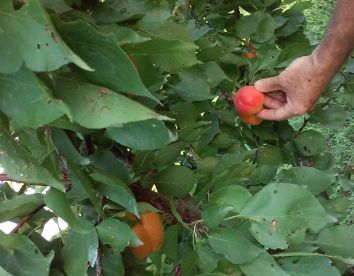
<point x="295" y="90"/>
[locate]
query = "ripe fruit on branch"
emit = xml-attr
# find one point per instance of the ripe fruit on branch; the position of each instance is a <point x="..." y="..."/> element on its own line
<point x="250" y="119"/>
<point x="151" y="232"/>
<point x="142" y="251"/>
<point x="248" y="102"/>
<point x="250" y="55"/>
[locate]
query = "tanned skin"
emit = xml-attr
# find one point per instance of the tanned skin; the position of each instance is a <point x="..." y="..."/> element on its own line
<point x="296" y="90"/>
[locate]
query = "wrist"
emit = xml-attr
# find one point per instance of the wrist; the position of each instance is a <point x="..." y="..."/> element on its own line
<point x="323" y="64"/>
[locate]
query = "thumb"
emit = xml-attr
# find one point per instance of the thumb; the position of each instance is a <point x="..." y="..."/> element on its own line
<point x="268" y="85"/>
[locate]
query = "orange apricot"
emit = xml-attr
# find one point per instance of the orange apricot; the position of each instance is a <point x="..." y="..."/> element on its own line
<point x="248" y="100"/>
<point x="142" y="251"/>
<point x="250" y="119"/>
<point x="152" y="223"/>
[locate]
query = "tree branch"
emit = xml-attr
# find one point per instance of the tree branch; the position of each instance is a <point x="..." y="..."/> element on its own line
<point x="190" y="214"/>
<point x="99" y="266"/>
<point x="26" y="218"/>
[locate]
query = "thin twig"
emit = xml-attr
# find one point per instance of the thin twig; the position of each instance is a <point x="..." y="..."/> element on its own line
<point x="324" y="105"/>
<point x="99" y="266"/>
<point x="26" y="218"/>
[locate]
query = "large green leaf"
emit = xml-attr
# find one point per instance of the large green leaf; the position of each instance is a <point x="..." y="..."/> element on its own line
<point x="79" y="251"/>
<point x="264" y="263"/>
<point x="26" y="100"/>
<point x="193" y="85"/>
<point x="60" y="205"/>
<point x="97" y="107"/>
<point x="233" y="245"/>
<point x="116" y="190"/>
<point x="281" y="213"/>
<point x="19" y="205"/>
<point x="41" y="47"/>
<point x="20" y="256"/>
<point x="175" y="181"/>
<point x="314" y="180"/>
<point x="337" y="240"/>
<point x="310" y="142"/>
<point x="145" y="135"/>
<point x="309" y="266"/>
<point x="117" y="234"/>
<point x="19" y="165"/>
<point x="112" y="262"/>
<point x="259" y="26"/>
<point x="235" y="196"/>
<point x="113" y="68"/>
<point x="66" y="148"/>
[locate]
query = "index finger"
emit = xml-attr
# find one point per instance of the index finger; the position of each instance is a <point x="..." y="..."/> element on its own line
<point x="279" y="114"/>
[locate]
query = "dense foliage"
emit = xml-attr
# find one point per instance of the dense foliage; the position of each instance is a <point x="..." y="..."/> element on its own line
<point x="111" y="109"/>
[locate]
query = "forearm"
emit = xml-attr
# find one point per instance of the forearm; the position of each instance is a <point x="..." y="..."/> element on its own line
<point x="338" y="41"/>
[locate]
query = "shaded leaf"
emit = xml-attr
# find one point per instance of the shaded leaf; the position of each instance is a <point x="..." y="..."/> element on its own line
<point x="19" y="165"/>
<point x="175" y="181"/>
<point x="117" y="234"/>
<point x="79" y="251"/>
<point x="59" y="204"/>
<point x="20" y="256"/>
<point x="19" y="205"/>
<point x="113" y="68"/>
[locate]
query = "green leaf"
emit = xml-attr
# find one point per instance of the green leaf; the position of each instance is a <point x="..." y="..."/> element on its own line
<point x="233" y="245"/>
<point x="112" y="67"/>
<point x="20" y="256"/>
<point x="107" y="162"/>
<point x="314" y="180"/>
<point x="332" y="117"/>
<point x="175" y="181"/>
<point x="79" y="251"/>
<point x="66" y="149"/>
<point x="112" y="263"/>
<point x="26" y="100"/>
<point x="41" y="47"/>
<point x="310" y="142"/>
<point x="215" y="73"/>
<point x="213" y="215"/>
<point x="337" y="240"/>
<point x="117" y="234"/>
<point x="97" y="107"/>
<point x="311" y="266"/>
<point x="222" y="202"/>
<point x="116" y="190"/>
<point x="19" y="205"/>
<point x="258" y="26"/>
<point x="170" y="245"/>
<point x="265" y="263"/>
<point x="19" y="165"/>
<point x="281" y="213"/>
<point x="235" y="196"/>
<point x="111" y="11"/>
<point x="145" y="135"/>
<point x="59" y="204"/>
<point x="207" y="258"/>
<point x="193" y="85"/>
<point x="123" y="34"/>
<point x="292" y="51"/>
